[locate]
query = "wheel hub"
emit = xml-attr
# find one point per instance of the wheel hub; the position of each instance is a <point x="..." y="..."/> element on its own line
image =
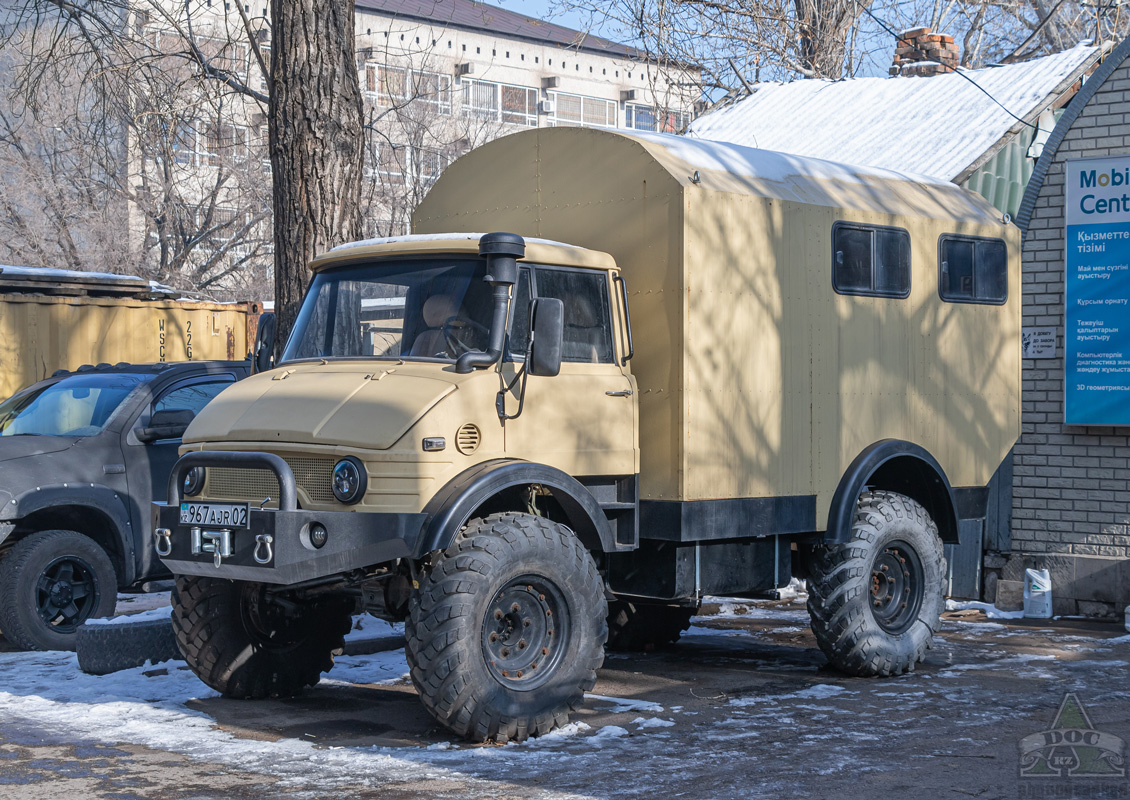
<point x="65" y="593"/>
<point x="525" y="631"/>
<point x="896" y="587"/>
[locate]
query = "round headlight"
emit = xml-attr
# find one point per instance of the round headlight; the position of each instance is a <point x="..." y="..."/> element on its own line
<point x="349" y="480"/>
<point x="194" y="481"/>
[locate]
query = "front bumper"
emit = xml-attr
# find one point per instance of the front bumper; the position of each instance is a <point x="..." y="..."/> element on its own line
<point x="354" y="539"/>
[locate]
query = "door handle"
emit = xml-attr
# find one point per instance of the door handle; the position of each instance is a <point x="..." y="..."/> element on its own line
<point x="621" y="393"/>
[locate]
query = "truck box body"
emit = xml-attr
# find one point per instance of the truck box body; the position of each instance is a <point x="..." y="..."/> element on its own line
<point x="57" y="319"/>
<point x="758" y="380"/>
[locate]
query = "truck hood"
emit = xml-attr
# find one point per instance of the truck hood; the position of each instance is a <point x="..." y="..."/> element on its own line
<point x="349" y="403"/>
<point x="13" y="447"/>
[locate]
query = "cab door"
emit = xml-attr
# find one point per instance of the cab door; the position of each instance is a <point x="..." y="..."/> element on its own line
<point x="148" y="464"/>
<point x="583" y="421"/>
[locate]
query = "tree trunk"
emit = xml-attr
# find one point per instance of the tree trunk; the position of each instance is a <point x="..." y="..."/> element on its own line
<point x="315" y="140"/>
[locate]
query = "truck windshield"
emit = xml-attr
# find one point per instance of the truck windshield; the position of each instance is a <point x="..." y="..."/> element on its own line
<point x="423" y="309"/>
<point x="78" y="405"/>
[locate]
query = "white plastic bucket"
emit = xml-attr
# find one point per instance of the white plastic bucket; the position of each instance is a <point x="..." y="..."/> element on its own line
<point x="1037" y="594"/>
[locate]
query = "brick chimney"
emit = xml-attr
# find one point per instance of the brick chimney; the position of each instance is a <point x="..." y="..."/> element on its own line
<point x="920" y="52"/>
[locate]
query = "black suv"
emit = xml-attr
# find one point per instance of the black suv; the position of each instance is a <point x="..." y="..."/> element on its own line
<point x="82" y="456"/>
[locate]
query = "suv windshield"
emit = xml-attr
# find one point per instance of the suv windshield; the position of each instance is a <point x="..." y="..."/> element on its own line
<point x="77" y="405"/>
<point x="435" y="308"/>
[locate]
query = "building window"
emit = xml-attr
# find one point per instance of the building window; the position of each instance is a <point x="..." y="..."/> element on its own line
<point x="211" y="144"/>
<point x="515" y="105"/>
<point x="403" y="163"/>
<point x="972" y="269"/>
<point x="870" y="260"/>
<point x="646" y="118"/>
<point x="572" y="110"/>
<point x="392" y="86"/>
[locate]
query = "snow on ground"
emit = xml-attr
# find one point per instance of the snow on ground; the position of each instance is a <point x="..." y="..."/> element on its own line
<point x="972" y="683"/>
<point x="991" y="611"/>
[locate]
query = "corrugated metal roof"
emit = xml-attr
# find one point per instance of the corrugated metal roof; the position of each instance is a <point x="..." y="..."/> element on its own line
<point x="937" y="126"/>
<point x="491" y="19"/>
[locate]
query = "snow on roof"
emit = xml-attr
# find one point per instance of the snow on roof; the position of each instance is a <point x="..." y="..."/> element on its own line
<point x="936" y="126"/>
<point x="435" y="237"/>
<point x="738" y="158"/>
<point x="67" y="275"/>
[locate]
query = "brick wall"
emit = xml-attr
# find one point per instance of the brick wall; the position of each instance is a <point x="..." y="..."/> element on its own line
<point x="1071" y="484"/>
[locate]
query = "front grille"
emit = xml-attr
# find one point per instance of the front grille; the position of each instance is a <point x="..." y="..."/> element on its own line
<point x="314" y="477"/>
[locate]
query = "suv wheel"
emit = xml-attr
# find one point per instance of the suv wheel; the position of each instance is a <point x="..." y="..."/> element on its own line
<point x="506" y="632"/>
<point x="50" y="583"/>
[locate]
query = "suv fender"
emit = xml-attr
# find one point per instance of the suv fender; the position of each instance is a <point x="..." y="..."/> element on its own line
<point x="897" y="466"/>
<point x="457" y="502"/>
<point x="72" y="499"/>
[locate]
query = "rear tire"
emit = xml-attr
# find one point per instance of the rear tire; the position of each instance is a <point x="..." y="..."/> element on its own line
<point x="640" y="627"/>
<point x="875" y="601"/>
<point x="506" y="632"/>
<point x="50" y="583"/>
<point x="245" y="645"/>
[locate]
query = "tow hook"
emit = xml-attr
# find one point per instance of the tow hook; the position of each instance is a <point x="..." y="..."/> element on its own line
<point x="264" y="541"/>
<point x="163" y="541"/>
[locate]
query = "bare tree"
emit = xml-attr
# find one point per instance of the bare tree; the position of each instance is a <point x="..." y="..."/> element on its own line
<point x="143" y="65"/>
<point x="736" y="41"/>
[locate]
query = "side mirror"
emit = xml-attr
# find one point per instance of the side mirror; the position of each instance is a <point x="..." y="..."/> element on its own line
<point x="263" y="354"/>
<point x="168" y="423"/>
<point x="547" y="330"/>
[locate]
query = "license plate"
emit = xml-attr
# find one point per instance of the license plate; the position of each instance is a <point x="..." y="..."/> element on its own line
<point x="219" y="515"/>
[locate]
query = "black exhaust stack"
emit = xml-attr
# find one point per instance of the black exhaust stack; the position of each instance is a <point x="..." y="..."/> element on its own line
<point x="502" y="251"/>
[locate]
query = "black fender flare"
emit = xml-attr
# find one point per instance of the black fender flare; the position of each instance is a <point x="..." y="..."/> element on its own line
<point x="898" y="466"/>
<point x="106" y="501"/>
<point x="453" y="505"/>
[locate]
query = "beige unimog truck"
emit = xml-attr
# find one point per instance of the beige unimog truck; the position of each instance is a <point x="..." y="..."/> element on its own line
<point x="669" y="368"/>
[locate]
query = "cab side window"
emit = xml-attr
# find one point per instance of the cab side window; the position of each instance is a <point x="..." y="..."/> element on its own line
<point x="588" y="318"/>
<point x="192" y="397"/>
<point x="520" y="318"/>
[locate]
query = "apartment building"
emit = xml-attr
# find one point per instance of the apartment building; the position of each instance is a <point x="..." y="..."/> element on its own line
<point x="443" y="76"/>
<point x="438" y="78"/>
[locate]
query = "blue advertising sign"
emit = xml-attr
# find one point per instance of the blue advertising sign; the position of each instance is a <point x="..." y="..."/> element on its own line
<point x="1097" y="292"/>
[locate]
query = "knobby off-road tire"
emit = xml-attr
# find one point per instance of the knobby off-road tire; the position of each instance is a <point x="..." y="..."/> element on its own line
<point x="245" y="645"/>
<point x="103" y="649"/>
<point x="50" y="583"/>
<point x="875" y="601"/>
<point x="637" y="627"/>
<point x="506" y="631"/>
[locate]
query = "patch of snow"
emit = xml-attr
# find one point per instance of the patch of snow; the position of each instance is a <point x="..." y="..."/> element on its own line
<point x="143" y="616"/>
<point x="652" y="722"/>
<point x="128" y="603"/>
<point x="621" y="704"/>
<point x="991" y="611"/>
<point x="570" y="731"/>
<point x="819" y="691"/>
<point x="822" y="690"/>
<point x="607" y="732"/>
<point x="366" y="627"/>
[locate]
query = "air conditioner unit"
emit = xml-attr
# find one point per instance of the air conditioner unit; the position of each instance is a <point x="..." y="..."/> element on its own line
<point x="547" y="106"/>
<point x="466" y="68"/>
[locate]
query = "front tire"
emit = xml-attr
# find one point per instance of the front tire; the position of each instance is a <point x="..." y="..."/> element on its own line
<point x="876" y="600"/>
<point x="244" y="643"/>
<point x="507" y="630"/>
<point x="50" y="583"/>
